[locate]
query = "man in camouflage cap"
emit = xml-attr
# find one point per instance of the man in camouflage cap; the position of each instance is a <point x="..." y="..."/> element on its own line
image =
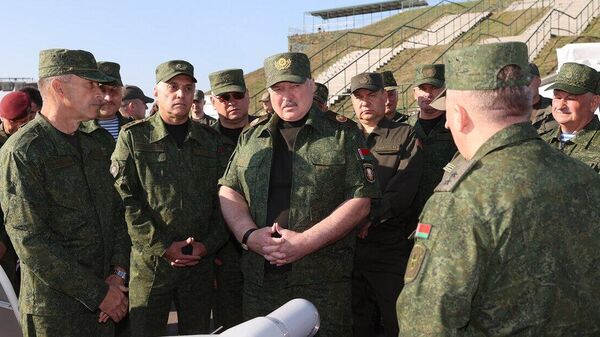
<point x="166" y="169"/>
<point x="134" y="103"/>
<point x="197" y="111"/>
<point x="541" y="108"/>
<point x="485" y="262"/>
<point x="65" y="220"/>
<point x="294" y="190"/>
<point x="429" y="124"/>
<point x="230" y="98"/>
<point x="391" y="103"/>
<point x="382" y="248"/>
<point x="265" y="100"/>
<point x="576" y="98"/>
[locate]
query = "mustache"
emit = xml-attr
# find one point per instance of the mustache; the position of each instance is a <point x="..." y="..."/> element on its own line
<point x="288" y="104"/>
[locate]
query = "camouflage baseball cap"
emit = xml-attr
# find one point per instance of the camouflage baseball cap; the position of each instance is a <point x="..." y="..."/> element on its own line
<point x="265" y="97"/>
<point x="56" y="62"/>
<point x="389" y="82"/>
<point x="132" y="92"/>
<point x="230" y="80"/>
<point x="477" y="67"/>
<point x="198" y="95"/>
<point x="287" y="67"/>
<point x="167" y="70"/>
<point x="576" y="79"/>
<point x="430" y="74"/>
<point x="321" y="93"/>
<point x="533" y="69"/>
<point x="369" y="81"/>
<point x="111" y="69"/>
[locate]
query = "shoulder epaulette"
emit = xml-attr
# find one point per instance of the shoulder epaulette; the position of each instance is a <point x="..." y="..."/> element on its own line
<point x="258" y="120"/>
<point x="132" y="123"/>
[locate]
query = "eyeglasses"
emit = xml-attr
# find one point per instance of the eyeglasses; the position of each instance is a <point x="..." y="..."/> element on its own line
<point x="228" y="95"/>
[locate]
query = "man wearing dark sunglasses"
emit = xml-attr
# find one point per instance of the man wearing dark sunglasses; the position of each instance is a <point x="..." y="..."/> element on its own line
<point x="297" y="185"/>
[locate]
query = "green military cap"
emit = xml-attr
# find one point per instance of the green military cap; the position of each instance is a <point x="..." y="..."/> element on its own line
<point x="265" y="97"/>
<point x="111" y="69"/>
<point x="133" y="92"/>
<point x="287" y="67"/>
<point x="321" y="93"/>
<point x="230" y="80"/>
<point x="533" y="69"/>
<point x="389" y="82"/>
<point x="56" y="62"/>
<point x="576" y="79"/>
<point x="167" y="70"/>
<point x="477" y="67"/>
<point x="198" y="95"/>
<point x="369" y="81"/>
<point x="433" y="74"/>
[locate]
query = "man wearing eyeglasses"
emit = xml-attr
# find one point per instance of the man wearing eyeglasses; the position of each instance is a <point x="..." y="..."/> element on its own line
<point x="166" y="169"/>
<point x="295" y="189"/>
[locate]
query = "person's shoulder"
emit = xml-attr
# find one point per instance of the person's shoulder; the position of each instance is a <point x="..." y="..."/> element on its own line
<point x="27" y="137"/>
<point x="135" y="124"/>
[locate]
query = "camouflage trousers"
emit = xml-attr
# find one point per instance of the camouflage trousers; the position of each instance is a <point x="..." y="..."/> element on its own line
<point x="65" y="326"/>
<point x="155" y="284"/>
<point x="227" y="303"/>
<point x="333" y="300"/>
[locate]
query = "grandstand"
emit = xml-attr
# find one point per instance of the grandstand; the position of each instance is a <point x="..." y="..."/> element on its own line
<point x="424" y="34"/>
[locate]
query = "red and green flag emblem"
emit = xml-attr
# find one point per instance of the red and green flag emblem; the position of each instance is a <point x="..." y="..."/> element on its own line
<point x="423" y="231"/>
<point x="365" y="154"/>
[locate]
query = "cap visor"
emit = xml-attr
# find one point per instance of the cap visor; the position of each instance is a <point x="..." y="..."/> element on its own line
<point x="171" y="75"/>
<point x="435" y="82"/>
<point x="228" y="88"/>
<point x="439" y="103"/>
<point x="286" y="78"/>
<point x="366" y="86"/>
<point x="147" y="99"/>
<point x="567" y="88"/>
<point x="96" y="76"/>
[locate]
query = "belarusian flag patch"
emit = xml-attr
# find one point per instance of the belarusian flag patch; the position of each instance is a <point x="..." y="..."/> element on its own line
<point x="365" y="155"/>
<point x="423" y="231"/>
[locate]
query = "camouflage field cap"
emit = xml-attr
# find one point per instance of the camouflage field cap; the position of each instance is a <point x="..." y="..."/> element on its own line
<point x="111" y="69"/>
<point x="576" y="79"/>
<point x="369" y="81"/>
<point x="229" y="80"/>
<point x="477" y="67"/>
<point x="433" y="74"/>
<point x="389" y="82"/>
<point x="321" y="93"/>
<point x="439" y="102"/>
<point x="198" y="95"/>
<point x="167" y="70"/>
<point x="132" y="92"/>
<point x="265" y="97"/>
<point x="287" y="67"/>
<point x="533" y="70"/>
<point x="56" y="62"/>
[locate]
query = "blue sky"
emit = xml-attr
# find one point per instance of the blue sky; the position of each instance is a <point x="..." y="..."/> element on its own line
<point x="212" y="35"/>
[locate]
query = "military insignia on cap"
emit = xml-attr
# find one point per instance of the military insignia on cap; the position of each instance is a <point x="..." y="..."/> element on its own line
<point x="369" y="172"/>
<point x="114" y="168"/>
<point x="181" y="66"/>
<point x="415" y="261"/>
<point x="428" y="72"/>
<point x="364" y="79"/>
<point x="341" y="118"/>
<point x="283" y="63"/>
<point x="105" y="69"/>
<point x="226" y="77"/>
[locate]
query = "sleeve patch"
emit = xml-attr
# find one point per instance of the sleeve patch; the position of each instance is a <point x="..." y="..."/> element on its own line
<point x="369" y="172"/>
<point x="415" y="261"/>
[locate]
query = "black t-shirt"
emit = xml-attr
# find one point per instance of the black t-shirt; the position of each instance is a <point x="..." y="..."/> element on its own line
<point x="73" y="140"/>
<point x="429" y="124"/>
<point x="232" y="134"/>
<point x="280" y="183"/>
<point x="178" y="132"/>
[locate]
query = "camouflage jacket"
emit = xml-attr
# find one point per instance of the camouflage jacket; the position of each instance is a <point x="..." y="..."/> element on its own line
<point x="326" y="172"/>
<point x="585" y="146"/>
<point x="498" y="254"/>
<point x="3" y="236"/>
<point x="438" y="149"/>
<point x="541" y="113"/>
<point x="61" y="211"/>
<point x="206" y="120"/>
<point x="169" y="193"/>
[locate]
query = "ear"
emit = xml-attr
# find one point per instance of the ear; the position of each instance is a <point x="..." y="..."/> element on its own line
<point x="155" y="91"/>
<point x="460" y="118"/>
<point x="414" y="92"/>
<point x="595" y="102"/>
<point x="57" y="87"/>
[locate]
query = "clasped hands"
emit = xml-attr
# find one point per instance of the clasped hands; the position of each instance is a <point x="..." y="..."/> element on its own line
<point x="289" y="247"/>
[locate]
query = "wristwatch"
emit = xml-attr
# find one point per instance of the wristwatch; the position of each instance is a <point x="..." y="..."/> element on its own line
<point x="122" y="274"/>
<point x="246" y="236"/>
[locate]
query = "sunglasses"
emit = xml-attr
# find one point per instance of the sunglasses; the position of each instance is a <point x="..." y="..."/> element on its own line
<point x="228" y="95"/>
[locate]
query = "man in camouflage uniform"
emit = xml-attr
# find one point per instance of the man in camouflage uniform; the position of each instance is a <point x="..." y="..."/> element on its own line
<point x="541" y="108"/>
<point x="233" y="119"/>
<point x="382" y="248"/>
<point x="134" y="102"/>
<point x="110" y="120"/>
<point x="485" y="262"/>
<point x="576" y="98"/>
<point x="391" y="103"/>
<point x="295" y="189"/>
<point x="197" y="112"/>
<point x="15" y="110"/>
<point x="429" y="124"/>
<point x="265" y="100"/>
<point x="57" y="192"/>
<point x="320" y="100"/>
<point x="166" y="170"/>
